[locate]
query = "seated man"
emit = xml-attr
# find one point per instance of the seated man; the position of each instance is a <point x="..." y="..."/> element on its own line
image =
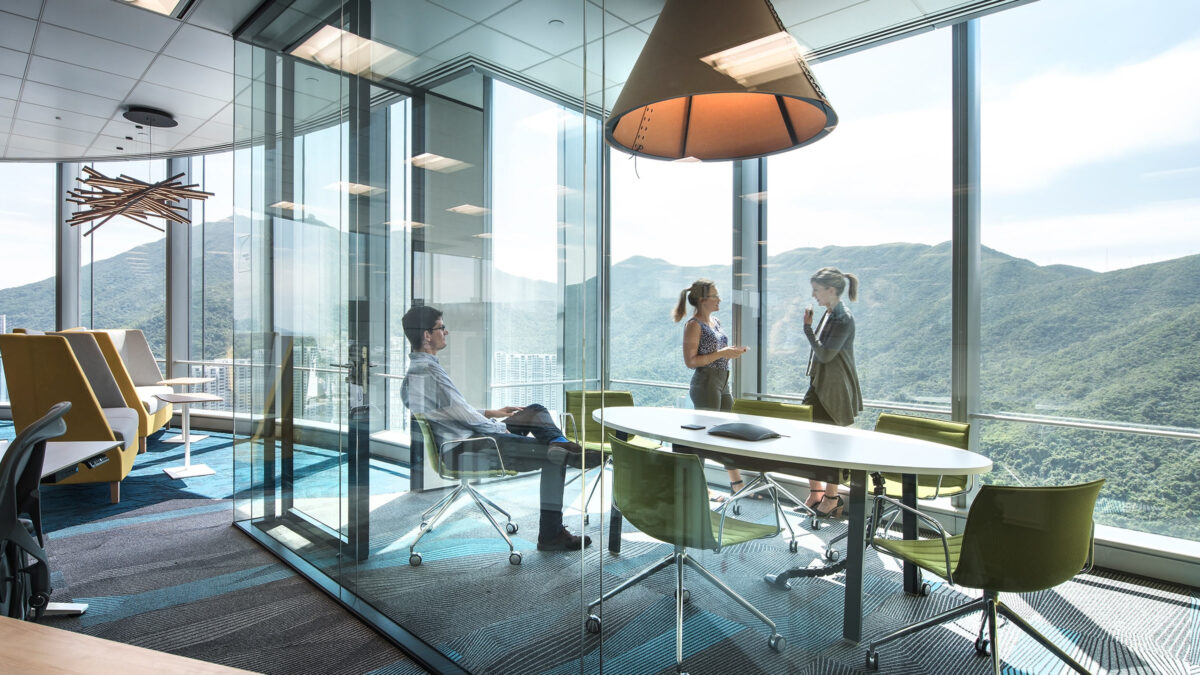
<point x="528" y="439"/>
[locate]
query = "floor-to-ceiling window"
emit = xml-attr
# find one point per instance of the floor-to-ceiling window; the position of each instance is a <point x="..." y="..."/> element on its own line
<point x="671" y="225"/>
<point x="27" y="263"/>
<point x="1091" y="200"/>
<point x="873" y="200"/>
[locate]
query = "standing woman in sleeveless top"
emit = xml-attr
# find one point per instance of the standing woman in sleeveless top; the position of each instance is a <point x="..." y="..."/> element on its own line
<point x="706" y="350"/>
<point x="833" y="390"/>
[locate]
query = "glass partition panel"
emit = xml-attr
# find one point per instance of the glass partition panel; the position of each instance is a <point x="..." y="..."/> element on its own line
<point x="872" y="199"/>
<point x="1091" y="255"/>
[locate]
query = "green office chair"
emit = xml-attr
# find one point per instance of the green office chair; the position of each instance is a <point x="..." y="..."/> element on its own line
<point x="954" y="434"/>
<point x="1016" y="540"/>
<point x="664" y="494"/>
<point x="764" y="481"/>
<point x="581" y="428"/>
<point x="471" y="465"/>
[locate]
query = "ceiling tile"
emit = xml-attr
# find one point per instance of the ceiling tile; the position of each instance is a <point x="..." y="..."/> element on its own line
<point x="16" y="32"/>
<point x="473" y="9"/>
<point x="111" y="21"/>
<point x="175" y="101"/>
<point x="221" y="15"/>
<point x="12" y="62"/>
<point x="52" y="133"/>
<point x="215" y="132"/>
<point x="414" y="25"/>
<point x="29" y="8"/>
<point x="563" y="76"/>
<point x="24" y="146"/>
<point x="851" y="22"/>
<point x="179" y="74"/>
<point x="489" y="45"/>
<point x="10" y="87"/>
<point x="79" y="78"/>
<point x="73" y="101"/>
<point x="65" y="119"/>
<point x="792" y="12"/>
<point x="7" y="107"/>
<point x="84" y="50"/>
<point x="620" y="52"/>
<point x="528" y="21"/>
<point x="202" y="46"/>
<point x="162" y="143"/>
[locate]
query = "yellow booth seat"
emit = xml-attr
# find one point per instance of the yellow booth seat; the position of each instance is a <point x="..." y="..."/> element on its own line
<point x="42" y="370"/>
<point x="137" y="374"/>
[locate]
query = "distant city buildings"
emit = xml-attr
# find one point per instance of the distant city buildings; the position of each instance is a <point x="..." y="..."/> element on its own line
<point x="510" y="368"/>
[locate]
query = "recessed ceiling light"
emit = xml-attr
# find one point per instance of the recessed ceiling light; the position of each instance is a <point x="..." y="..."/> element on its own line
<point x="468" y="210"/>
<point x="353" y="54"/>
<point x="353" y="188"/>
<point x="432" y="162"/>
<point x="166" y="7"/>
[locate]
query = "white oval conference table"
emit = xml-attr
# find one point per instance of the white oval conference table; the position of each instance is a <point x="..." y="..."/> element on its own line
<point x="803" y="445"/>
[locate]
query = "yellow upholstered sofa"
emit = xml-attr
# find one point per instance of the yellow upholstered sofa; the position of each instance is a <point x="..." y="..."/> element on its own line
<point x="42" y="370"/>
<point x="137" y="374"/>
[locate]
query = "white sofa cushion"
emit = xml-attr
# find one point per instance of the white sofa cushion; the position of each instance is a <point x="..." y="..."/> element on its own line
<point x="124" y="422"/>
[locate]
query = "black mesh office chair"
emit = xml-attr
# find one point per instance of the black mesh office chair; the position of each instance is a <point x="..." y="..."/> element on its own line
<point x="24" y="570"/>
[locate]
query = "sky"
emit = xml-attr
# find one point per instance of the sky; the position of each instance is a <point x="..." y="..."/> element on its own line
<point x="1090" y="157"/>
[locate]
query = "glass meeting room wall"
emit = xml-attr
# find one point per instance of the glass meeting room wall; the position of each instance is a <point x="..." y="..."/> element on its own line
<point x="363" y="192"/>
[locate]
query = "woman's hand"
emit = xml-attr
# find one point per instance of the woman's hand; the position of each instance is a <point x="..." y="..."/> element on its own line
<point x="808" y="315"/>
<point x="503" y="412"/>
<point x="733" y="352"/>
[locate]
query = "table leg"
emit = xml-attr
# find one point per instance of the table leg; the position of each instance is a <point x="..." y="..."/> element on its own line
<point x="909" y="528"/>
<point x="188" y="470"/>
<point x="852" y="613"/>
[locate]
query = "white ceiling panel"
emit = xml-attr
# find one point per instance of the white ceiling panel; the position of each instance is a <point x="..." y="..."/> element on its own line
<point x="852" y="22"/>
<point x="16" y="32"/>
<point x="475" y="10"/>
<point x="7" y="108"/>
<point x="79" y="78"/>
<point x="119" y="23"/>
<point x="67" y="99"/>
<point x="563" y="76"/>
<point x="10" y="87"/>
<point x="40" y="148"/>
<point x="414" y="25"/>
<point x="199" y="45"/>
<point x="792" y="12"/>
<point x="84" y="50"/>
<point x="59" y="117"/>
<point x="180" y="74"/>
<point x="119" y="127"/>
<point x="221" y="15"/>
<point x="12" y="62"/>
<point x="175" y="101"/>
<point x="618" y="52"/>
<point x="215" y="132"/>
<point x="29" y="8"/>
<point x="490" y="45"/>
<point x="531" y="22"/>
<point x="51" y="133"/>
<point x="632" y="11"/>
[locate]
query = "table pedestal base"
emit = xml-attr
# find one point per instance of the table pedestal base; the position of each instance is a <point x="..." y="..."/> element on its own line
<point x="189" y="471"/>
<point x="180" y="439"/>
<point x="65" y="608"/>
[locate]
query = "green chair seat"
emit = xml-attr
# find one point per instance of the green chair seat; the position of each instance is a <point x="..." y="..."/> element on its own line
<point x="929" y="554"/>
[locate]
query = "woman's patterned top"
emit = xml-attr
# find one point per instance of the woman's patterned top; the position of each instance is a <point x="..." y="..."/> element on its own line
<point x="711" y="340"/>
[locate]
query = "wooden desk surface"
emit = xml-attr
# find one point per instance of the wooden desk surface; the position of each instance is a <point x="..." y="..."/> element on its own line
<point x="36" y="648"/>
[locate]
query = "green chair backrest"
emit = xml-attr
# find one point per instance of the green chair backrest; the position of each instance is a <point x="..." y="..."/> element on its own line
<point x="581" y="403"/>
<point x="663" y="494"/>
<point x="954" y="434"/>
<point x="1022" y="539"/>
<point x="789" y="411"/>
<point x="433" y="454"/>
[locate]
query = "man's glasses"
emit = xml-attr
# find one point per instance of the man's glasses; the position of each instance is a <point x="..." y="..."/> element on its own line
<point x="442" y="327"/>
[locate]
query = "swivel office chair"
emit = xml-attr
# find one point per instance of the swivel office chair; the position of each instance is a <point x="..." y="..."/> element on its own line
<point x="665" y="495"/>
<point x="471" y="465"/>
<point x="1016" y="540"/>
<point x="24" y="569"/>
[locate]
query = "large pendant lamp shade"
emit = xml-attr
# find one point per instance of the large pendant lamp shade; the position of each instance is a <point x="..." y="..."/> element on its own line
<point x="718" y="79"/>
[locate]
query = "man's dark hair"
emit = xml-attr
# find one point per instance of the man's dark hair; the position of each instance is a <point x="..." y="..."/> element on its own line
<point x="418" y="320"/>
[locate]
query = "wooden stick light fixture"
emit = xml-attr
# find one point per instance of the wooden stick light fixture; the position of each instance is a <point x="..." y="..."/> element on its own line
<point x="106" y="198"/>
<point x="717" y="80"/>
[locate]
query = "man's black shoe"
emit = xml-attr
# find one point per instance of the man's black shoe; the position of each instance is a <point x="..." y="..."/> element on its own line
<point x="563" y="541"/>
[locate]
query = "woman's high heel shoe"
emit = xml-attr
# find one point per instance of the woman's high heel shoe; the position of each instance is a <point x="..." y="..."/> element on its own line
<point x="834" y="511"/>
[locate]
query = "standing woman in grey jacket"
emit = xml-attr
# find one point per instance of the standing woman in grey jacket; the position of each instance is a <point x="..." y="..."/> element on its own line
<point x="706" y="350"/>
<point x="833" y="390"/>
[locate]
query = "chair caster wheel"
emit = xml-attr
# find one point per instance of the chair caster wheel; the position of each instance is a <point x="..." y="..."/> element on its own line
<point x="511" y="528"/>
<point x="514" y="558"/>
<point x="586" y="519"/>
<point x="981" y="646"/>
<point x="832" y="555"/>
<point x="925" y="589"/>
<point x="872" y="660"/>
<point x="687" y="596"/>
<point x="776" y="643"/>
<point x="415" y="560"/>
<point x="814" y="523"/>
<point x="793" y="546"/>
<point x="593" y="624"/>
<point x="736" y="508"/>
